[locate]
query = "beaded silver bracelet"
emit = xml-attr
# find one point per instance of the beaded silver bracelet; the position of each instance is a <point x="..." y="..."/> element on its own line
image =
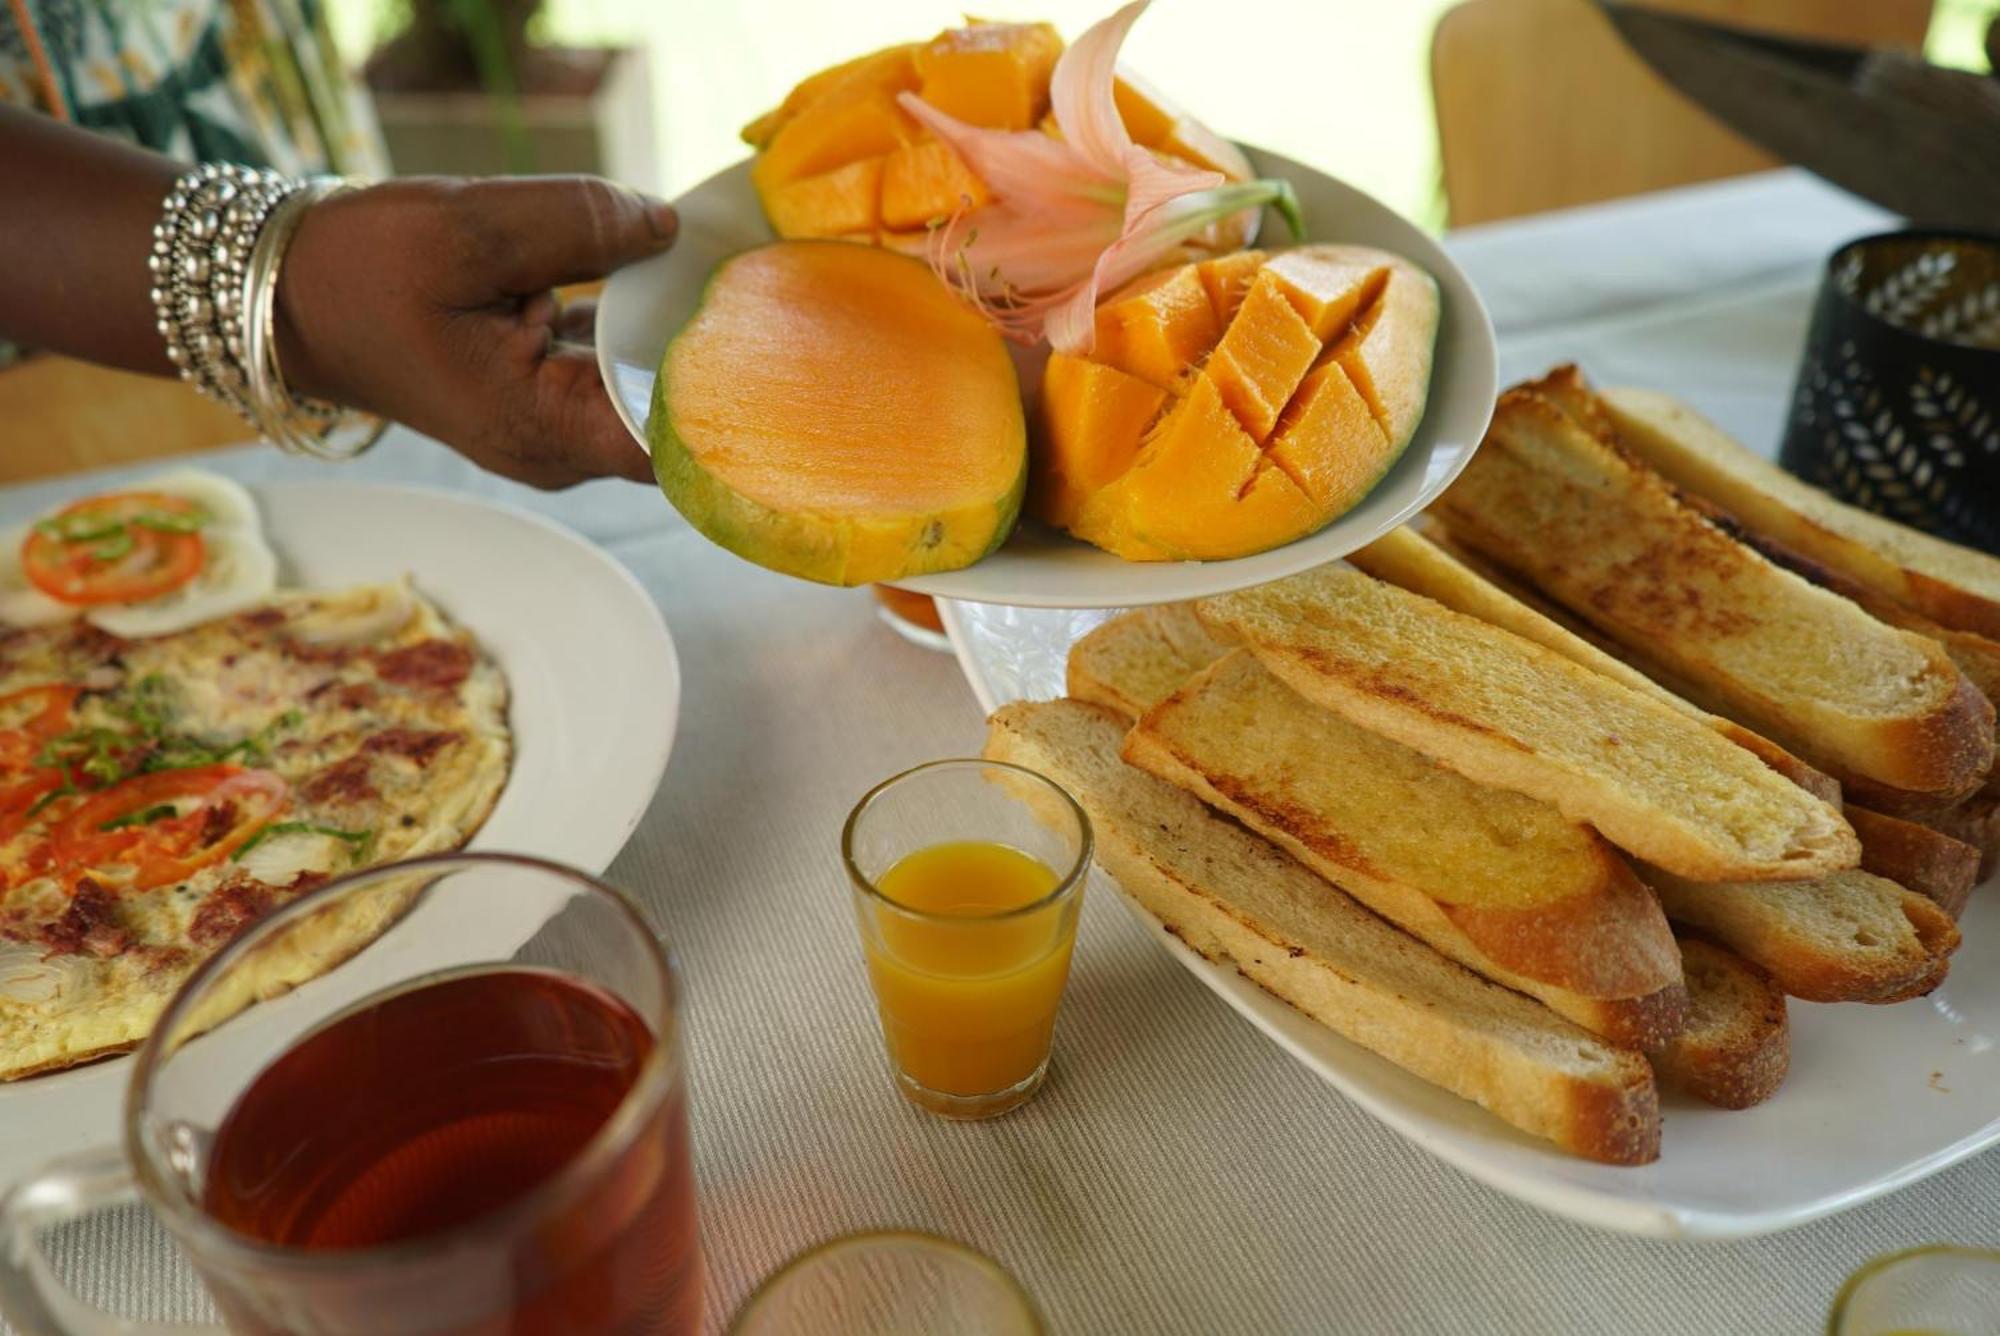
<point x="217" y="250"/>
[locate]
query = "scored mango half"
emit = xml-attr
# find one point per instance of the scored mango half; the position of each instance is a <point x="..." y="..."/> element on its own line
<point x="839" y="158"/>
<point x="1235" y="404"/>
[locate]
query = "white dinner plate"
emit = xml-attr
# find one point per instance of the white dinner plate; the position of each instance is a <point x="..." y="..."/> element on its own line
<point x="1878" y="1097"/>
<point x="594" y="696"/>
<point x="645" y="304"/>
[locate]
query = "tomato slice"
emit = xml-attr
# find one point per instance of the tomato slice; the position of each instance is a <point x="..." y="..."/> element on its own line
<point x="125" y="547"/>
<point x="168" y="825"/>
<point x="28" y="719"/>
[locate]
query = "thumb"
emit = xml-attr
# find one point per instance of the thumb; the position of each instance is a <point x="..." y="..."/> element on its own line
<point x="547" y="231"/>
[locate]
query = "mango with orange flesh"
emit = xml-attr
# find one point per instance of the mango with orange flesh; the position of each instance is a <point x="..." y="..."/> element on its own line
<point x="833" y="412"/>
<point x="992" y="75"/>
<point x="1156" y="326"/>
<point x="1313" y="389"/>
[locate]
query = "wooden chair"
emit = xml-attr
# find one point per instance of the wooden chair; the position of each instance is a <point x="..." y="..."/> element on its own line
<point x="62" y="416"/>
<point x="1540" y="105"/>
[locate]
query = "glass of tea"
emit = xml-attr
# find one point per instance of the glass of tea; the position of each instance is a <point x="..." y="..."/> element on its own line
<point x="442" y="1096"/>
<point x="967" y="877"/>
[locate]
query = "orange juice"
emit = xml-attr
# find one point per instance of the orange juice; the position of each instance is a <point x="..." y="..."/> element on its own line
<point x="967" y="988"/>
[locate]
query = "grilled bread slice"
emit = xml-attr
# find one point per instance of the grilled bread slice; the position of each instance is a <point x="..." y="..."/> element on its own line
<point x="1407" y="559"/>
<point x="1506" y="712"/>
<point x="1977" y="822"/>
<point x="1236" y="899"/>
<point x="1917" y="858"/>
<point x="1846" y="937"/>
<point x="1954" y="586"/>
<point x="1139" y="658"/>
<point x="1737" y="1045"/>
<point x="1499" y="882"/>
<point x="1612" y="541"/>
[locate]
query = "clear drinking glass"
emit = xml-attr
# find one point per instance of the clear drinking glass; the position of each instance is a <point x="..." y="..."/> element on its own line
<point x="1938" y="1290"/>
<point x="889" y="1283"/>
<point x="604" y="1241"/>
<point x="967" y="998"/>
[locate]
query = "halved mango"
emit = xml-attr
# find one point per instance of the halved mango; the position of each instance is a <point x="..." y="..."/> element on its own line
<point x="1156" y="326"/>
<point x="922" y="183"/>
<point x="990" y="74"/>
<point x="833" y="412"/>
<point x="1312" y="391"/>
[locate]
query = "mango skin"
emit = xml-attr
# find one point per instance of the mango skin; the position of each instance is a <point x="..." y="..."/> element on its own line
<point x="825" y="548"/>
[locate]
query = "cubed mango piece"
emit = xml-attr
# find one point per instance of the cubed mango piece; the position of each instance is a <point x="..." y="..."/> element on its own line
<point x="926" y="182"/>
<point x="1157" y="326"/>
<point x="1328" y="285"/>
<point x="1328" y="441"/>
<point x="845" y="126"/>
<point x="994" y="75"/>
<point x="1226" y="279"/>
<point x="1387" y="352"/>
<point x="830" y="204"/>
<point x="892" y="69"/>
<point x="1263" y="355"/>
<point x="1090" y="420"/>
<point x="1149" y="118"/>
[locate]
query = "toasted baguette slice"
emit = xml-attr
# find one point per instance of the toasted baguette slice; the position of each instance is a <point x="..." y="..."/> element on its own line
<point x="1234" y="898"/>
<point x="1501" y="883"/>
<point x="1847" y="937"/>
<point x="1612" y="541"/>
<point x="1139" y="658"/>
<point x="1917" y="858"/>
<point x="1952" y="585"/>
<point x="1737" y="1045"/>
<point x="1407" y="559"/>
<point x="1506" y="712"/>
<point x="1976" y="821"/>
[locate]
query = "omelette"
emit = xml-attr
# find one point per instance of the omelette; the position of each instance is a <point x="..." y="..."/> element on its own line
<point x="157" y="795"/>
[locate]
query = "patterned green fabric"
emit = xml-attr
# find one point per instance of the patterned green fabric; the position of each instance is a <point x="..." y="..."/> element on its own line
<point x="250" y="81"/>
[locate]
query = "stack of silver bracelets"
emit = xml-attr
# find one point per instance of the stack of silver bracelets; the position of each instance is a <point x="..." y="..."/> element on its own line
<point x="217" y="248"/>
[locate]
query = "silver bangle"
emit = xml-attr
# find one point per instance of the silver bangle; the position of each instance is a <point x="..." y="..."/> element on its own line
<point x="217" y="250"/>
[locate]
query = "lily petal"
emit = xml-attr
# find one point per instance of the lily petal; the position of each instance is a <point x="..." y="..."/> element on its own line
<point x="1080" y="93"/>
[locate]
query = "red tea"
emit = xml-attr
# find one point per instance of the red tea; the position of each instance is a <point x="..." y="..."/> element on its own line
<point x="428" y="1109"/>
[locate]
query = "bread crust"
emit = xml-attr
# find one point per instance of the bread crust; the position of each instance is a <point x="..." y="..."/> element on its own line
<point x="1317" y="950"/>
<point x="1847" y="937"/>
<point x="1917" y="858"/>
<point x="1737" y="1047"/>
<point x="1897" y="561"/>
<point x="1617" y="544"/>
<point x="1413" y="561"/>
<point x="1506" y="712"/>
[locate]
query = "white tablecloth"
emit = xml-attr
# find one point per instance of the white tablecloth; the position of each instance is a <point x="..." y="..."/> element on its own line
<point x="1180" y="1173"/>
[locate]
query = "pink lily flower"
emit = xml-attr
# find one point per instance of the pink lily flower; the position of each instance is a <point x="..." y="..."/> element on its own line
<point x="1077" y="214"/>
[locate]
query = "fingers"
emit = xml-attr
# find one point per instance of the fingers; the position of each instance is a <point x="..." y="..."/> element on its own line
<point x="576" y="323"/>
<point x="584" y="432"/>
<point x="531" y="233"/>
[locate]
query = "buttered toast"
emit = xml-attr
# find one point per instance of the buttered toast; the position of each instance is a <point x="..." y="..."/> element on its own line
<point x="1501" y="883"/>
<point x="1613" y="542"/>
<point x="1233" y="897"/>
<point x="1139" y="658"/>
<point x="1954" y="586"/>
<point x="1411" y="561"/>
<point x="1507" y="712"/>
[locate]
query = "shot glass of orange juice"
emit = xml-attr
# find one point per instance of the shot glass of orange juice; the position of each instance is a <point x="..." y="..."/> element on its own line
<point x="967" y="878"/>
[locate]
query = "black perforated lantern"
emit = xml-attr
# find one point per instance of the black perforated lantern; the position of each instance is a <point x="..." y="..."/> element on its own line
<point x="1897" y="407"/>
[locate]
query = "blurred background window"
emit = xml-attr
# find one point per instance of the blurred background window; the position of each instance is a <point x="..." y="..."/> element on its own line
<point x="1347" y="88"/>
